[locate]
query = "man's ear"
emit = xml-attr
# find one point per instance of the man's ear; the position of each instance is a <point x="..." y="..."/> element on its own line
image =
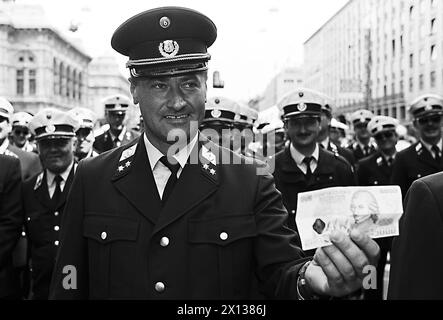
<point x="134" y="93"/>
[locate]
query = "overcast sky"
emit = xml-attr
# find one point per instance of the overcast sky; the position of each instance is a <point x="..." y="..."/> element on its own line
<point x="256" y="38"/>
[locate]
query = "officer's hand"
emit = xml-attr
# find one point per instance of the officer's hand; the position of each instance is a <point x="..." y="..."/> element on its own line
<point x="337" y="270"/>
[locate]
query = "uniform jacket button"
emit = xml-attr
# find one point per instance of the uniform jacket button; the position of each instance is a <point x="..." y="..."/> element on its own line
<point x="159" y="287"/>
<point x="56" y="243"/>
<point x="29" y="219"/>
<point x="293" y="211"/>
<point x="164" y="242"/>
<point x="104" y="235"/>
<point x="224" y="236"/>
<point x="23" y="234"/>
<point x="56" y="213"/>
<point x="56" y="228"/>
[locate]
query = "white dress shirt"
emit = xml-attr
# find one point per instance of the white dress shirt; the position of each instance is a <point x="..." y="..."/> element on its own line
<point x="429" y="147"/>
<point x="298" y="158"/>
<point x="50" y="179"/>
<point x="160" y="172"/>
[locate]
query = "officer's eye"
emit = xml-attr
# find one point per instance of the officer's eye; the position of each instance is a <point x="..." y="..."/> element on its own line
<point x="190" y="84"/>
<point x="158" y="85"/>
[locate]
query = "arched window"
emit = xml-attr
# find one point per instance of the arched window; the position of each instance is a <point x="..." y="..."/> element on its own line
<point x="68" y="81"/>
<point x="74" y="84"/>
<point x="26" y="73"/>
<point x="61" y="76"/>
<point x="55" y="76"/>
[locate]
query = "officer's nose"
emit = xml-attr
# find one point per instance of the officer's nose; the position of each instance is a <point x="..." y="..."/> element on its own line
<point x="176" y="100"/>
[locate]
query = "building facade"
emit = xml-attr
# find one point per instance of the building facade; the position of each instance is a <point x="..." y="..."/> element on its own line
<point x="378" y="55"/>
<point x="39" y="66"/>
<point x="280" y="85"/>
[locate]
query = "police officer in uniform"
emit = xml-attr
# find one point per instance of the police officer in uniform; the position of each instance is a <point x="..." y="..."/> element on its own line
<point x="304" y="166"/>
<point x="363" y="146"/>
<point x="376" y="170"/>
<point x="323" y="137"/>
<point x="29" y="162"/>
<point x="143" y="222"/>
<point x="218" y="123"/>
<point x="20" y="131"/>
<point x="118" y="134"/>
<point x="11" y="219"/>
<point x="45" y="193"/>
<point x="84" y="135"/>
<point x="424" y="157"/>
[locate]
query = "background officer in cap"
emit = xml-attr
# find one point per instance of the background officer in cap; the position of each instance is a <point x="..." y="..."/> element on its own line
<point x="85" y="134"/>
<point x="20" y="134"/>
<point x="424" y="157"/>
<point x="218" y="122"/>
<point x="29" y="162"/>
<point x="363" y="146"/>
<point x="376" y="170"/>
<point x="118" y="134"/>
<point x="304" y="166"/>
<point x="153" y="221"/>
<point x="11" y="219"/>
<point x="45" y="193"/>
<point x="323" y="136"/>
<point x="337" y="133"/>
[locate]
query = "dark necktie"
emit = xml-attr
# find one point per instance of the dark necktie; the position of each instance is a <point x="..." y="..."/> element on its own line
<point x="57" y="192"/>
<point x="307" y="162"/>
<point x="436" y="151"/>
<point x="172" y="179"/>
<point x="366" y="150"/>
<point x="389" y="161"/>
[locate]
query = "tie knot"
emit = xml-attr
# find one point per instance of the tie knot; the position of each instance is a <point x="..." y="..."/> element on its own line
<point x="307" y="161"/>
<point x="58" y="179"/>
<point x="172" y="167"/>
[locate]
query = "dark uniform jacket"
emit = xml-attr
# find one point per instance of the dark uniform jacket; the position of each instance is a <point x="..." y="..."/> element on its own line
<point x="375" y="171"/>
<point x="358" y="152"/>
<point x="413" y="163"/>
<point x="42" y="222"/>
<point x="11" y="220"/>
<point x="417" y="254"/>
<point x="29" y="161"/>
<point x="104" y="142"/>
<point x="332" y="171"/>
<point x="345" y="153"/>
<point x="223" y="224"/>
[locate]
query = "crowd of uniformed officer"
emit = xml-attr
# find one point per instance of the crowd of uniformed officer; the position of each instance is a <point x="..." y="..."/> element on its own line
<point x="306" y="149"/>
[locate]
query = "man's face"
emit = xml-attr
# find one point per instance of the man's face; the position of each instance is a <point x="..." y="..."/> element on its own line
<point x="361" y="131"/>
<point x="85" y="140"/>
<point x="20" y="135"/>
<point x="360" y="209"/>
<point x="56" y="154"/>
<point x="303" y="131"/>
<point x="386" y="141"/>
<point x="4" y="128"/>
<point x="115" y="120"/>
<point x="335" y="136"/>
<point x="171" y="103"/>
<point x="429" y="127"/>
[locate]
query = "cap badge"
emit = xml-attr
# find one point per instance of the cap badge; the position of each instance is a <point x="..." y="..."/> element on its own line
<point x="237" y="117"/>
<point x="168" y="48"/>
<point x="428" y="108"/>
<point x="301" y="94"/>
<point x="165" y="22"/>
<point x="302" y="107"/>
<point x="50" y="128"/>
<point x="216" y="113"/>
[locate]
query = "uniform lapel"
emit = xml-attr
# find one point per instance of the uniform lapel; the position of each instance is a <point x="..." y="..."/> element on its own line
<point x="425" y="156"/>
<point x="291" y="173"/>
<point x="67" y="186"/>
<point x="197" y="182"/>
<point x="41" y="190"/>
<point x="323" y="165"/>
<point x="134" y="179"/>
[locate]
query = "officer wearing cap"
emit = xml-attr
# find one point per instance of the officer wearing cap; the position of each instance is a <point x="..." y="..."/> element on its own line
<point x="363" y="146"/>
<point x="376" y="170"/>
<point x="29" y="162"/>
<point x="324" y="135"/>
<point x="118" y="134"/>
<point x="304" y="166"/>
<point x="163" y="217"/>
<point x="244" y="124"/>
<point x="337" y="132"/>
<point x="84" y="135"/>
<point x="20" y="134"/>
<point x="45" y="193"/>
<point x="218" y="122"/>
<point x="424" y="157"/>
<point x="11" y="219"/>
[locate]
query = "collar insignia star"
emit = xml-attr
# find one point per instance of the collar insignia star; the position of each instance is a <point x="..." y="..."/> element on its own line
<point x="128" y="164"/>
<point x="208" y="155"/>
<point x="212" y="171"/>
<point x="38" y="182"/>
<point x="121" y="168"/>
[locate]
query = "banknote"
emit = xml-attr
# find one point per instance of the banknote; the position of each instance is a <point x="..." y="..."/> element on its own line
<point x="375" y="211"/>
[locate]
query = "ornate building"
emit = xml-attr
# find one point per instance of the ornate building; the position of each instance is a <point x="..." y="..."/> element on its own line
<point x="39" y="66"/>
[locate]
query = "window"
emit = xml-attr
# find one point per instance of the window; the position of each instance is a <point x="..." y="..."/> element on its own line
<point x="402" y="112"/>
<point x="433" y="79"/>
<point x="401" y="86"/>
<point x="80" y="86"/>
<point x="20" y="82"/>
<point x="61" y="76"/>
<point x="32" y="82"/>
<point x="411" y="60"/>
<point x="55" y="76"/>
<point x="421" y="82"/>
<point x="433" y="26"/>
<point x="68" y="82"/>
<point x="394" y="112"/>
<point x="74" y="84"/>
<point x="411" y="11"/>
<point x="411" y="85"/>
<point x="433" y="53"/>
